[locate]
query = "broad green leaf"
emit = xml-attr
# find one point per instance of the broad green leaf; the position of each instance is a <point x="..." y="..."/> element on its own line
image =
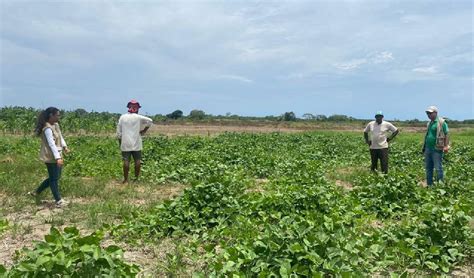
<point x="42" y="259"/>
<point x="431" y="265"/>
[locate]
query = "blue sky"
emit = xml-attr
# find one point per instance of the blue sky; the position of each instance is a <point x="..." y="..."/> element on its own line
<point x="251" y="58"/>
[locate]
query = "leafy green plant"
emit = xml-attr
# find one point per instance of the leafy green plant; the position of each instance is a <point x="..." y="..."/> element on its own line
<point x="297" y="220"/>
<point x="69" y="254"/>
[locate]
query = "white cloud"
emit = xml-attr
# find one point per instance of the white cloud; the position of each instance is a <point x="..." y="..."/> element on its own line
<point x="123" y="47"/>
<point x="412" y="19"/>
<point x="462" y="94"/>
<point x="296" y="76"/>
<point x="383" y="57"/>
<point x="351" y="65"/>
<point x="370" y="59"/>
<point x="14" y="53"/>
<point x="426" y="70"/>
<point x="235" y="77"/>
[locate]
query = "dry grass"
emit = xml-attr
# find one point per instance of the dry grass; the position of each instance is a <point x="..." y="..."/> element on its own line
<point x="32" y="222"/>
<point x="7" y="159"/>
<point x="29" y="226"/>
<point x="258" y="186"/>
<point x="466" y="271"/>
<point x="343" y="176"/>
<point x="210" y="130"/>
<point x="344" y="184"/>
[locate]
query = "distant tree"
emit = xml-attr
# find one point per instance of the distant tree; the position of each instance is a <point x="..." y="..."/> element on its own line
<point x="338" y="118"/>
<point x="321" y="117"/>
<point x="80" y="112"/>
<point x="175" y="115"/>
<point x="289" y="116"/>
<point x="158" y="118"/>
<point x="272" y="118"/>
<point x="413" y="121"/>
<point x="308" y="116"/>
<point x="197" y="114"/>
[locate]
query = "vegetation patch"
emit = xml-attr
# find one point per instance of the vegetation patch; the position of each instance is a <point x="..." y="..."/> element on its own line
<point x="248" y="204"/>
<point x="70" y="254"/>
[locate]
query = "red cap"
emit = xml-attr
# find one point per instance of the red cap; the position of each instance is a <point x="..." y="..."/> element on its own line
<point x="133" y="102"/>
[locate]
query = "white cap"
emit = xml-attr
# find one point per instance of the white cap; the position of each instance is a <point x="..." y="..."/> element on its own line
<point x="432" y="109"/>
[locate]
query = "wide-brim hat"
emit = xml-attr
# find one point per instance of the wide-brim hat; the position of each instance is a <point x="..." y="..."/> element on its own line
<point x="432" y="109"/>
<point x="133" y="102"/>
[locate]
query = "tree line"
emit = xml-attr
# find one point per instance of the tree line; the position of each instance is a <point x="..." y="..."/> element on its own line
<point x="16" y="119"/>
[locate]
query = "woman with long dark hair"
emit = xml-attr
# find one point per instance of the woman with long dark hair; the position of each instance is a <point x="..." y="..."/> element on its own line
<point x="52" y="146"/>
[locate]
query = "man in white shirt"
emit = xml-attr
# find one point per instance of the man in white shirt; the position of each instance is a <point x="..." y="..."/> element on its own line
<point x="129" y="130"/>
<point x="378" y="143"/>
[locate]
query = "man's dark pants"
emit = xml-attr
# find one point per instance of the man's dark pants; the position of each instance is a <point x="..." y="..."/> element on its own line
<point x="375" y="155"/>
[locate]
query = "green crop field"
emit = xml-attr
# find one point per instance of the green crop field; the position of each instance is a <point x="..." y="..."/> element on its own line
<point x="241" y="205"/>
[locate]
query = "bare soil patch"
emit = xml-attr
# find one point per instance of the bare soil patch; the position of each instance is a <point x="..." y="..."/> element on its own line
<point x="158" y="193"/>
<point x="82" y="201"/>
<point x="376" y="224"/>
<point x="466" y="271"/>
<point x="32" y="223"/>
<point x="162" y="259"/>
<point x="187" y="128"/>
<point x="7" y="159"/>
<point x="348" y="170"/>
<point x="423" y="183"/>
<point x="172" y="130"/>
<point x="257" y="186"/>
<point x="168" y="191"/>
<point x="342" y="176"/>
<point x="344" y="184"/>
<point x="26" y="227"/>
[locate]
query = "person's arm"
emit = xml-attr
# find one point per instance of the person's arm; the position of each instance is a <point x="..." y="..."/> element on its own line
<point x="63" y="142"/>
<point x="61" y="138"/>
<point x="119" y="131"/>
<point x="49" y="138"/>
<point x="446" y="137"/>
<point x="142" y="132"/>
<point x="446" y="144"/>
<point x="147" y="122"/>
<point x="395" y="133"/>
<point x="424" y="138"/>
<point x="366" y="134"/>
<point x="64" y="145"/>
<point x="445" y="128"/>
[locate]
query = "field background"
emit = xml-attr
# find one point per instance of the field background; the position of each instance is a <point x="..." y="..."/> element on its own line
<point x="246" y="199"/>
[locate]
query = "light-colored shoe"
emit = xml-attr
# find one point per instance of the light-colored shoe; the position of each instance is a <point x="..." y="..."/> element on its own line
<point x="34" y="195"/>
<point x="61" y="203"/>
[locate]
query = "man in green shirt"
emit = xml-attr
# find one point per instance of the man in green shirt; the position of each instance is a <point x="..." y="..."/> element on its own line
<point x="436" y="143"/>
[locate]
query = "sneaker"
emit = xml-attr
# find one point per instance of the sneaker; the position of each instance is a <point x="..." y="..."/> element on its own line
<point x="61" y="203"/>
<point x="34" y="195"/>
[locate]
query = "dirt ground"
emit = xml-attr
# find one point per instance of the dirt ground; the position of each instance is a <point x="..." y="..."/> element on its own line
<point x="212" y="129"/>
<point x="171" y="130"/>
<point x="32" y="223"/>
